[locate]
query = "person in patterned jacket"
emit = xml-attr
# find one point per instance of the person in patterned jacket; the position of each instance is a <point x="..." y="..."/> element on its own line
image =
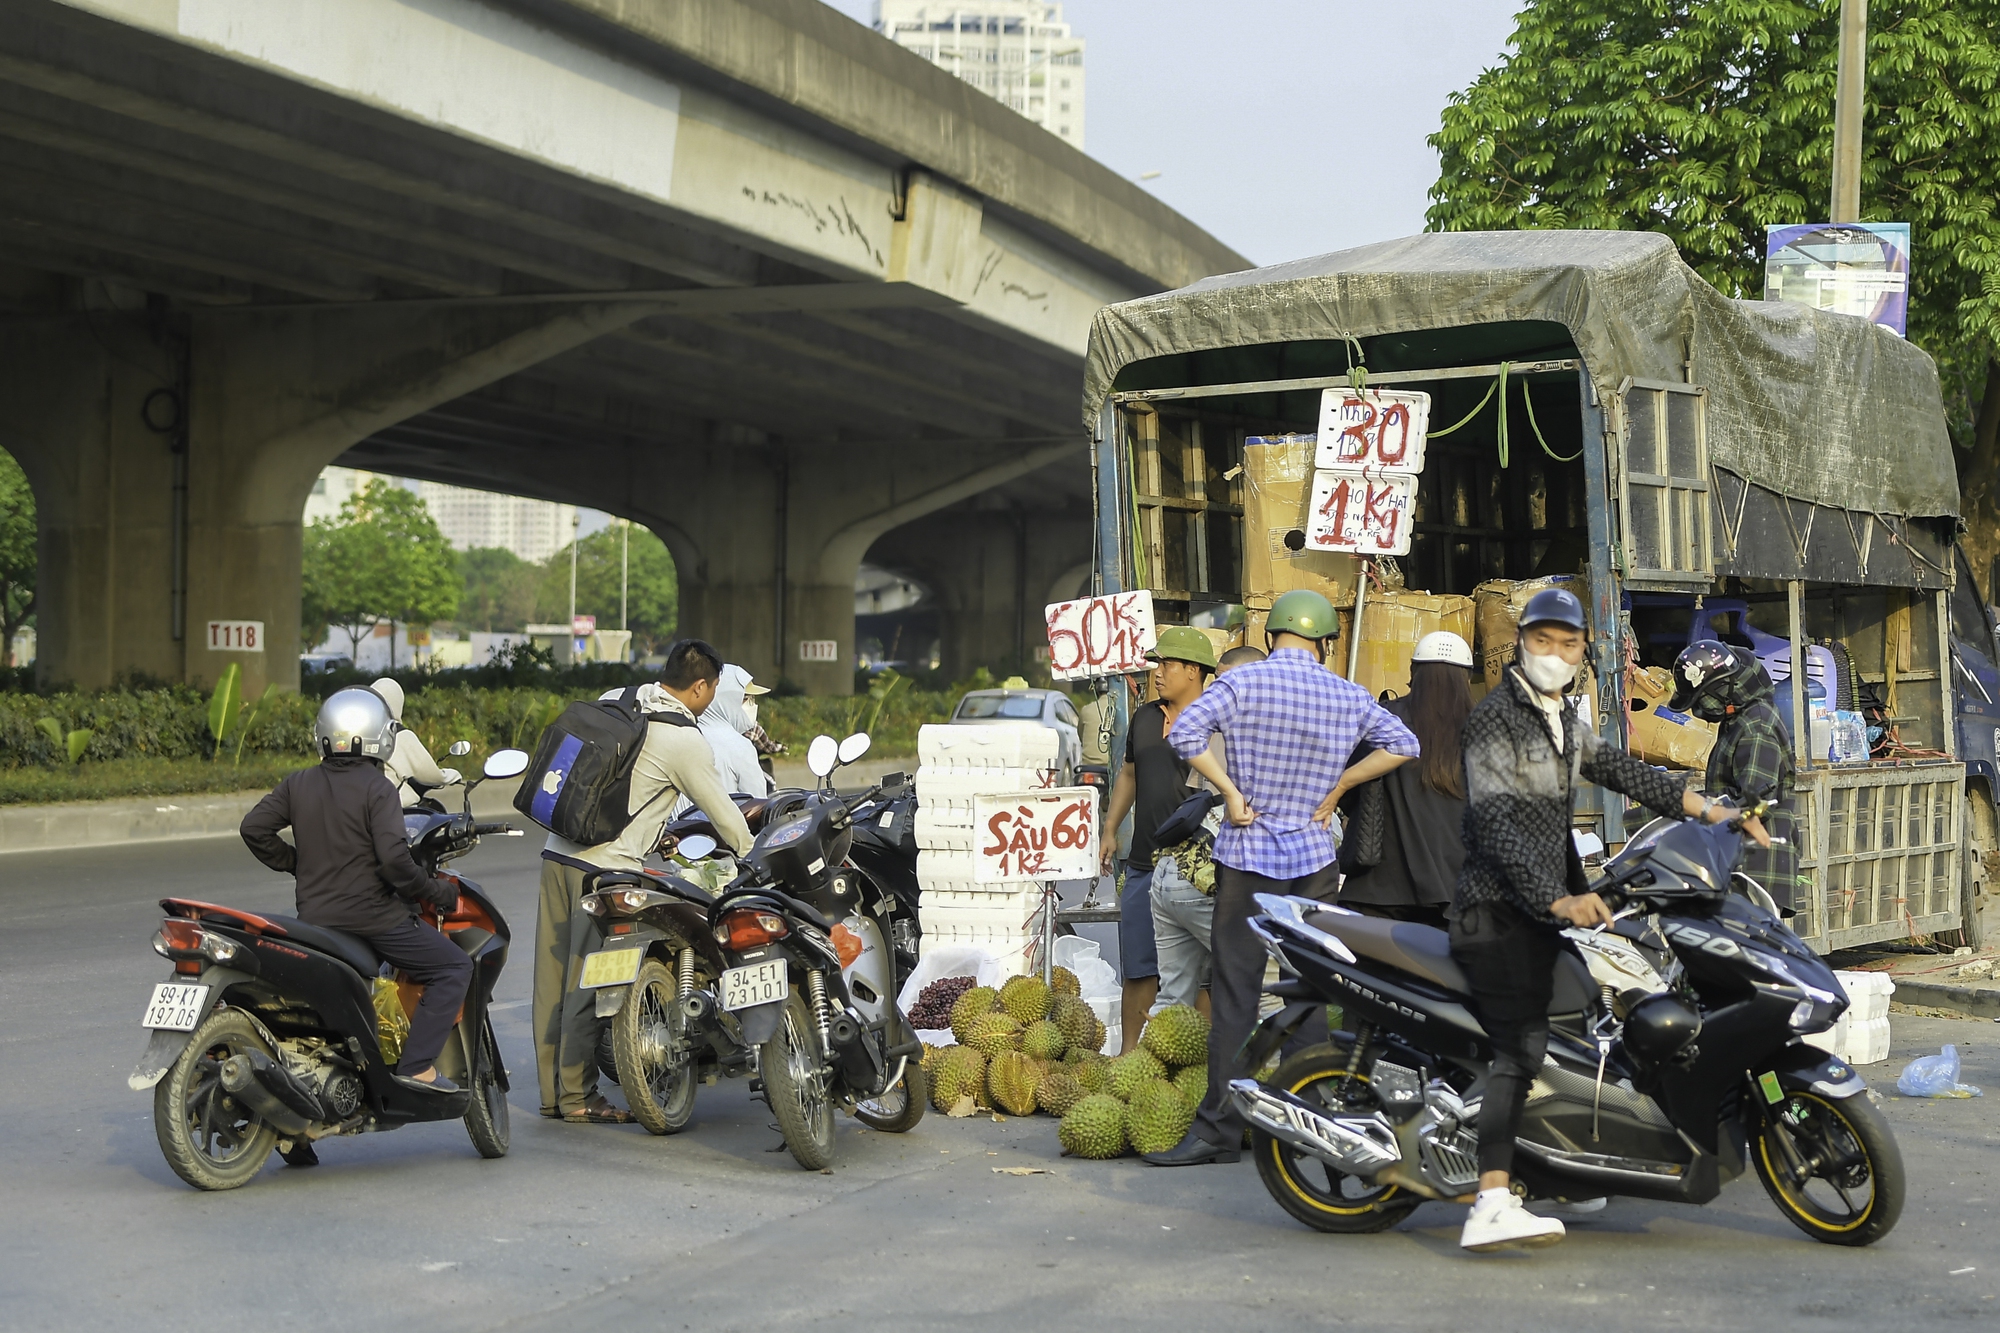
<point x="1525" y="752"/>
<point x="1751" y="761"/>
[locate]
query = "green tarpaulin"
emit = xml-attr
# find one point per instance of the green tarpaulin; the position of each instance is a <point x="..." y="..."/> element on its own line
<point x="1816" y="406"/>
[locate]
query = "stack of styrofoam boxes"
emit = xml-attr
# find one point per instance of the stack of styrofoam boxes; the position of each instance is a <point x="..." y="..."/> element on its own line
<point x="1861" y="1037"/>
<point x="956" y="764"/>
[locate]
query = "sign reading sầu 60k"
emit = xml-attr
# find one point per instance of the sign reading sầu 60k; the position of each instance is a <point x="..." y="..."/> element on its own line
<point x="1035" y="835"/>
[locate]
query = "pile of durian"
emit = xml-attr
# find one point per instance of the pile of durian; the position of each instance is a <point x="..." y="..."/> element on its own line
<point x="1031" y="1046"/>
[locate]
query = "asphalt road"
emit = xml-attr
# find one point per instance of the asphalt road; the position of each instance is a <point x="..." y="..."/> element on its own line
<point x="609" y="1227"/>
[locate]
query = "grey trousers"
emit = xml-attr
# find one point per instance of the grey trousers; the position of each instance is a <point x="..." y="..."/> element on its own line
<point x="567" y="1028"/>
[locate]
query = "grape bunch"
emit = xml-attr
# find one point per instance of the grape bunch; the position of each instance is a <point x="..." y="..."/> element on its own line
<point x="932" y="1010"/>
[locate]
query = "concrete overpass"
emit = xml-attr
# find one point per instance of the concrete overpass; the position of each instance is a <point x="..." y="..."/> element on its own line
<point x="740" y="270"/>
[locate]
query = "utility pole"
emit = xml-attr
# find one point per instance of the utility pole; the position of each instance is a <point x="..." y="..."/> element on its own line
<point x="575" y="524"/>
<point x="624" y="572"/>
<point x="1849" y="100"/>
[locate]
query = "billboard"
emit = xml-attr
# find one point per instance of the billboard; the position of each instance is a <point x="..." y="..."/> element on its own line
<point x="1852" y="268"/>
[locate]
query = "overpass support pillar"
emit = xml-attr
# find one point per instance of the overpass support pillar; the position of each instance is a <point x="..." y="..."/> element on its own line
<point x="138" y="555"/>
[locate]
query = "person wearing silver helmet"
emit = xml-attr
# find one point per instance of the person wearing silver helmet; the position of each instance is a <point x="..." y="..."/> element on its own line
<point x="354" y="871"/>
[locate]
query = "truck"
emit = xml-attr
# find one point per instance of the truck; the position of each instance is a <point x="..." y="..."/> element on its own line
<point x="1592" y="410"/>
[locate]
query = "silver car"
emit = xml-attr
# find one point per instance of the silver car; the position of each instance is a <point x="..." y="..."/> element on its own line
<point x="1046" y="708"/>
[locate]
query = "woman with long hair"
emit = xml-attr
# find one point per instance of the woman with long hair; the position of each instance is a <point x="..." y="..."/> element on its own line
<point x="1401" y="858"/>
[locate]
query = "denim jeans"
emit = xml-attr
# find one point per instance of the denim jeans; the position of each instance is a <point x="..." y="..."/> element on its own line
<point x="1182" y="918"/>
<point x="1137" y="958"/>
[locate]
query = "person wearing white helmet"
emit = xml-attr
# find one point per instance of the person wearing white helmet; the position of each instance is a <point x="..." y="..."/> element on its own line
<point x="1402" y="853"/>
<point x="409" y="765"/>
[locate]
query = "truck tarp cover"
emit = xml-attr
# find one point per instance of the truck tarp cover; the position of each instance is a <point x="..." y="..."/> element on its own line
<point x="1812" y="405"/>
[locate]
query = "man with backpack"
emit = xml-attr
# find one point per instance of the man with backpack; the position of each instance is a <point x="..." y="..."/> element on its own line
<point x="581" y="751"/>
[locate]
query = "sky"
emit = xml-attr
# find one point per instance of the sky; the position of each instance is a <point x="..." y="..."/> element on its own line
<point x="1285" y="128"/>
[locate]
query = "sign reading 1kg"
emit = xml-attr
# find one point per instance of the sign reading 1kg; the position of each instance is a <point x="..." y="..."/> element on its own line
<point x="236" y="636"/>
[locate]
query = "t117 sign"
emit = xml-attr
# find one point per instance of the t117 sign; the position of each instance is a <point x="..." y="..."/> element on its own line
<point x="1100" y="636"/>
<point x="1039" y="835"/>
<point x="1360" y="515"/>
<point x="1372" y="430"/>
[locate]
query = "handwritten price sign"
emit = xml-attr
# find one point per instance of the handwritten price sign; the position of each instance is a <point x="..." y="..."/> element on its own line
<point x="1034" y="836"/>
<point x="1372" y="431"/>
<point x="1100" y="636"/>
<point x="1360" y="515"/>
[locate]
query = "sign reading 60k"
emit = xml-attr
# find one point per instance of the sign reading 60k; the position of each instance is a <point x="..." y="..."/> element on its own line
<point x="1035" y="836"/>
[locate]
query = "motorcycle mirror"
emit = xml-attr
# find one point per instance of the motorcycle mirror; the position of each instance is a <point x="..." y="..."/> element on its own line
<point x="854" y="747"/>
<point x="458" y="748"/>
<point x="822" y="756"/>
<point x="696" y="847"/>
<point x="506" y="764"/>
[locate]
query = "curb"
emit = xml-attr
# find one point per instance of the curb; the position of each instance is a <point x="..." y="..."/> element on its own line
<point x="1965" y="999"/>
<point x="76" y="825"/>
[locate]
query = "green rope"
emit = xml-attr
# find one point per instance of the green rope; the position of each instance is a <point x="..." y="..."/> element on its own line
<point x="1439" y="434"/>
<point x="1499" y="386"/>
<point x="1529" y="399"/>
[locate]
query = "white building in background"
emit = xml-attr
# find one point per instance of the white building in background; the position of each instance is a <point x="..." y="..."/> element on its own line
<point x="1017" y="51"/>
<point x="531" y="529"/>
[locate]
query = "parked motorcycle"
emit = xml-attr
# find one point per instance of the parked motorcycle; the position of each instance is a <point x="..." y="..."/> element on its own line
<point x="271" y="1033"/>
<point x="1662" y="1094"/>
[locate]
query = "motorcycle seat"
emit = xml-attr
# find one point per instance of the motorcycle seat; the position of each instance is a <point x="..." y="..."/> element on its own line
<point x="1422" y="951"/>
<point x="352" y="950"/>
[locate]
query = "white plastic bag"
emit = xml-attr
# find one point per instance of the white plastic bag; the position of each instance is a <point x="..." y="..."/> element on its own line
<point x="1097" y="979"/>
<point x="1935" y="1076"/>
<point x="956" y="960"/>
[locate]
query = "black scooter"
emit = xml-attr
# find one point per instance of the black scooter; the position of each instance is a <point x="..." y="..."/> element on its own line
<point x="271" y="1033"/>
<point x="1661" y="1096"/>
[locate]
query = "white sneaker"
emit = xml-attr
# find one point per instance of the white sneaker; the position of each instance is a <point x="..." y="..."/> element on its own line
<point x="1579" y="1207"/>
<point x="1497" y="1221"/>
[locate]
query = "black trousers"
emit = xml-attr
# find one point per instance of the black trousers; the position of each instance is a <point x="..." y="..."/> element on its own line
<point x="1236" y="979"/>
<point x="1510" y="964"/>
<point x="444" y="971"/>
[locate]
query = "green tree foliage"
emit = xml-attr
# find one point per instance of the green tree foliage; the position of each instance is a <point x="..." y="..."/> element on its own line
<point x="17" y="553"/>
<point x="500" y="589"/>
<point x="382" y="558"/>
<point x="653" y="595"/>
<point x="1708" y="120"/>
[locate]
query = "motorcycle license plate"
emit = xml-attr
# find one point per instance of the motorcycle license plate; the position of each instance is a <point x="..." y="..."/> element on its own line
<point x="759" y="983"/>
<point x="174" y="1008"/>
<point x="611" y="967"/>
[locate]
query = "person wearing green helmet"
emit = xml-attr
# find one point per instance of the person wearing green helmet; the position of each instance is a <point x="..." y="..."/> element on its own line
<point x="1150" y="787"/>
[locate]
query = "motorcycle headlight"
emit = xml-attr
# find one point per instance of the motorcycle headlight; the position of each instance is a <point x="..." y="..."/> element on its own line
<point x="1802" y="1015"/>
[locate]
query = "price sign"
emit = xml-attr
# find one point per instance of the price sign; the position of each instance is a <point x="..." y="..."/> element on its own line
<point x="1039" y="835"/>
<point x="1100" y="636"/>
<point x="1372" y="431"/>
<point x="236" y="636"/>
<point x="1360" y="515"/>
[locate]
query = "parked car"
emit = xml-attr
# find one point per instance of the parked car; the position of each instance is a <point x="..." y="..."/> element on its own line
<point x="1018" y="707"/>
<point x="313" y="663"/>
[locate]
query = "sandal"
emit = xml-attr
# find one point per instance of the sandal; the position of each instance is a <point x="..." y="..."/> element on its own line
<point x="599" y="1112"/>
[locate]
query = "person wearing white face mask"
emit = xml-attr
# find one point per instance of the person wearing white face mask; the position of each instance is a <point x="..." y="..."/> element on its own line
<point x="727" y="724"/>
<point x="1526" y="749"/>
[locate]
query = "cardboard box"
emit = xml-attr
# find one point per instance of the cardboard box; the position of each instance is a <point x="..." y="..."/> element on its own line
<point x="1277" y="485"/>
<point x="1659" y="735"/>
<point x="1391" y="624"/>
<point x="1497" y="617"/>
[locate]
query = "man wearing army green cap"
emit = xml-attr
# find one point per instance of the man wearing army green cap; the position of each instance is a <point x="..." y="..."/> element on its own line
<point x="1151" y="786"/>
<point x="1287" y="725"/>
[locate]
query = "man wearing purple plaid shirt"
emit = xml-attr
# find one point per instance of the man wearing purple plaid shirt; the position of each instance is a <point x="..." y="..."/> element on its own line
<point x="1288" y="726"/>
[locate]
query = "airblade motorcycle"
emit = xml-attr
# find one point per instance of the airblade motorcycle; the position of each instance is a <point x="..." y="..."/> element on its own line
<point x="271" y="1033"/>
<point x="1661" y="1094"/>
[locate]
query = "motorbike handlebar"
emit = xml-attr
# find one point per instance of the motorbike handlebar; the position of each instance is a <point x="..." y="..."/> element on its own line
<point x="502" y="828"/>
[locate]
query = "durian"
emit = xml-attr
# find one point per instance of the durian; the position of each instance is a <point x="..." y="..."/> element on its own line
<point x="960" y="1072"/>
<point x="1156" y="1116"/>
<point x="1043" y="1040"/>
<point x="1058" y="1091"/>
<point x="1178" y="1035"/>
<point x="1093" y="1072"/>
<point x="1026" y="998"/>
<point x="990" y="1034"/>
<point x="979" y="1000"/>
<point x="1064" y="982"/>
<point x="1011" y="1081"/>
<point x="1192" y="1082"/>
<point x="1094" y="1127"/>
<point x="1079" y="1023"/>
<point x="1128" y="1071"/>
<point x="932" y="1054"/>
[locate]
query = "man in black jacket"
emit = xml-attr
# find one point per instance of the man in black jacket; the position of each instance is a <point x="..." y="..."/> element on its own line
<point x="1751" y="760"/>
<point x="355" y="872"/>
<point x="1525" y="751"/>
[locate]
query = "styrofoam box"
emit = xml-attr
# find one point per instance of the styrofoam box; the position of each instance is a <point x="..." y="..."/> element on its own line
<point x="1857" y="1041"/>
<point x="951" y="839"/>
<point x="942" y="864"/>
<point x="980" y="897"/>
<point x="1868" y="994"/>
<point x="1005" y="917"/>
<point x="1024" y="745"/>
<point x="955" y="788"/>
<point x="1010" y="948"/>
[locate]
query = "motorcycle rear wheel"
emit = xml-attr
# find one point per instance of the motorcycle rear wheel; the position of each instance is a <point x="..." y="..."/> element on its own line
<point x="1853" y="1190"/>
<point x="900" y="1106"/>
<point x="655" y="1068"/>
<point x="795" y="1084"/>
<point x="1304" y="1186"/>
<point x="486" y="1122"/>
<point x="211" y="1140"/>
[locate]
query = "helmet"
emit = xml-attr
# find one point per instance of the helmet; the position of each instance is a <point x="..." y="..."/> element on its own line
<point x="355" y="721"/>
<point x="1661" y="1027"/>
<point x="1443" y="646"/>
<point x="1183" y="643"/>
<point x="392" y="695"/>
<point x="1302" y="612"/>
<point x="1554" y="606"/>
<point x="1701" y="671"/>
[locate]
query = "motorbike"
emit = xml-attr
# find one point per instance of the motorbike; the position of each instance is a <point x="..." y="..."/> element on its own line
<point x="274" y="1033"/>
<point x="1665" y="1088"/>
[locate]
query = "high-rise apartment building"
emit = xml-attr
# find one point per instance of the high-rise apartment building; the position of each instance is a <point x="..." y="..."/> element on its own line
<point x="1018" y="51"/>
<point x="531" y="529"/>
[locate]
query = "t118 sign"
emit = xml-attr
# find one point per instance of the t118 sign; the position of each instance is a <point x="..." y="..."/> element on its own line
<point x="1039" y="835"/>
<point x="1360" y="515"/>
<point x="1373" y="430"/>
<point x="1100" y="636"/>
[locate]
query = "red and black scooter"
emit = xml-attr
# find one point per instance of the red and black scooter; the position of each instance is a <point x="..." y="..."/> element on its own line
<point x="271" y="1032"/>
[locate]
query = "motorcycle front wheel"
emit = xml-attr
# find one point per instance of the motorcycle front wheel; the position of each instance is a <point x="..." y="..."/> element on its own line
<point x="486" y="1122"/>
<point x="795" y="1084"/>
<point x="655" y="1068"/>
<point x="1305" y="1186"/>
<point x="1832" y="1166"/>
<point x="211" y="1140"/>
<point x="900" y="1106"/>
